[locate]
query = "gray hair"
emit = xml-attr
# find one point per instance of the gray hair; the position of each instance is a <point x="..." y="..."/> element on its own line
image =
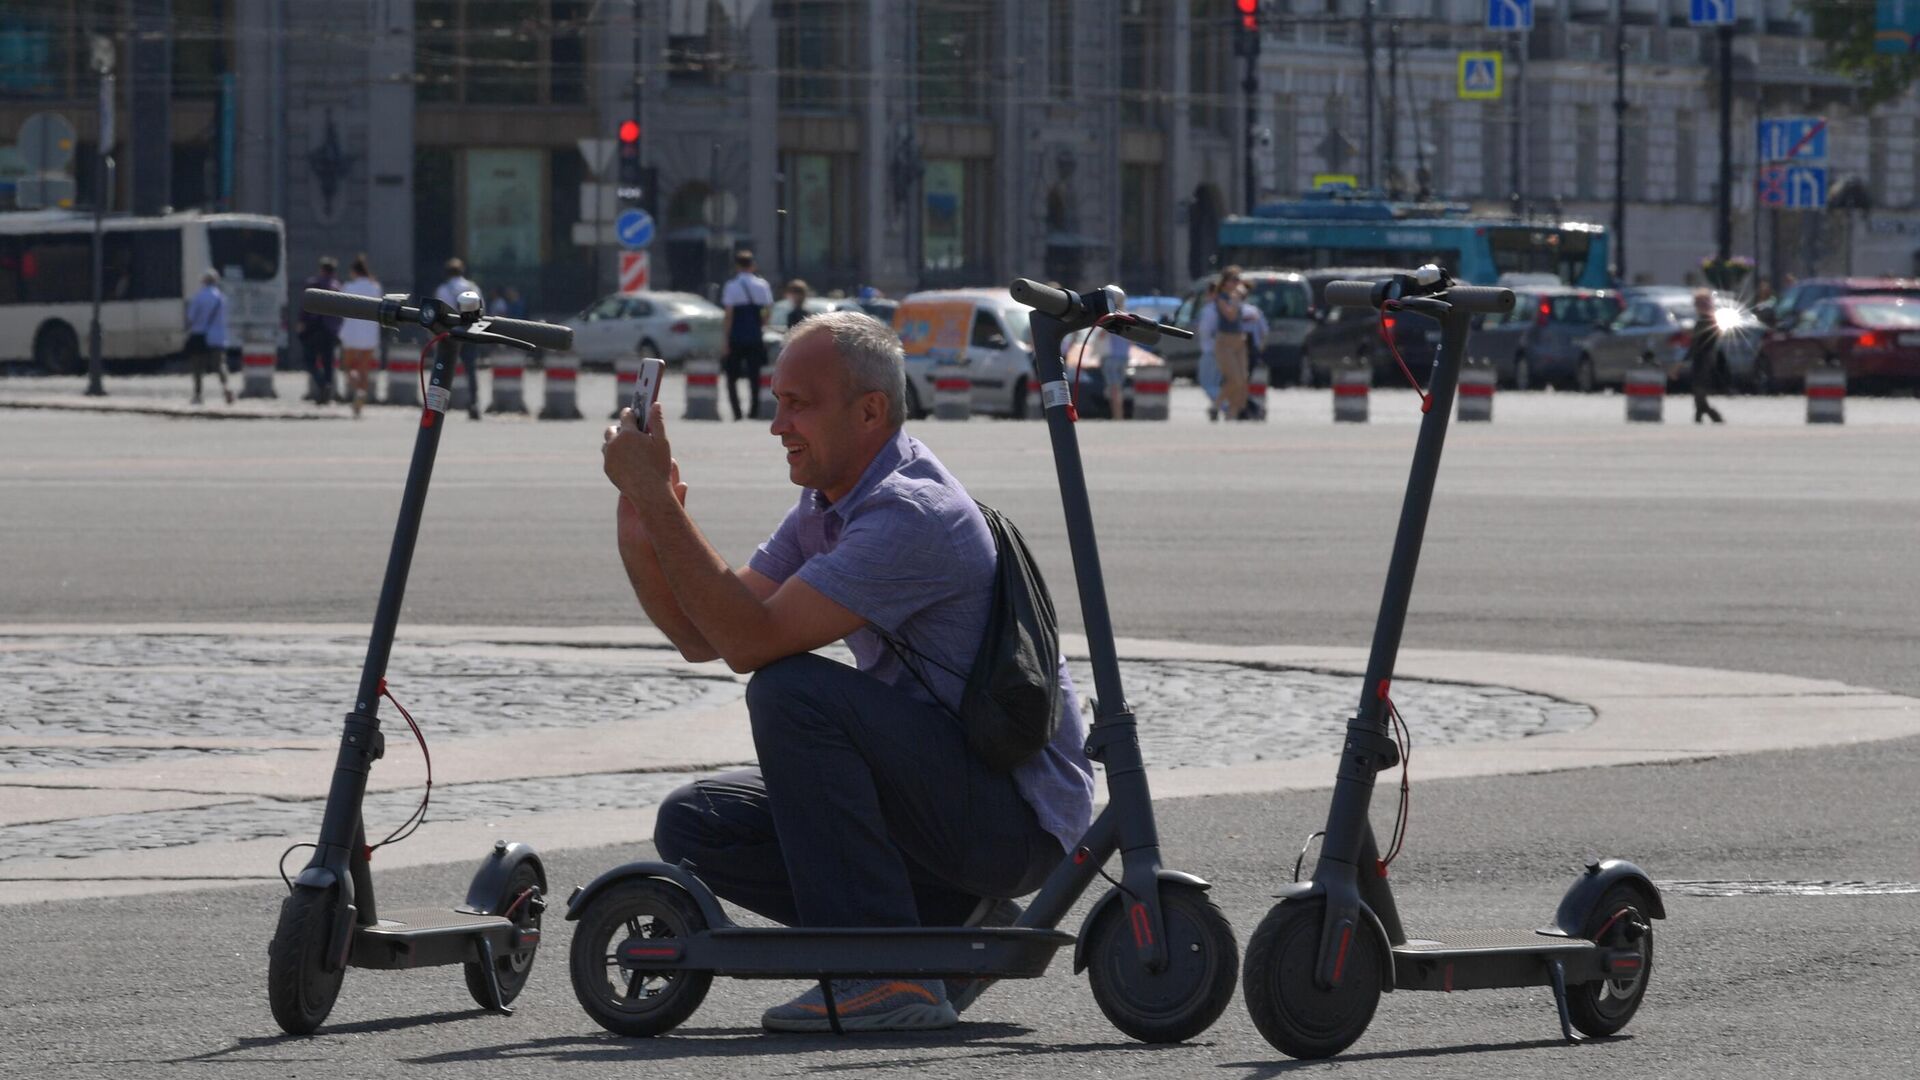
<point x="870" y="352"/>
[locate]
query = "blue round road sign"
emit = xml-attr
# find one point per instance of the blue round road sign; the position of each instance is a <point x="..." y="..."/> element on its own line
<point x="635" y="228"/>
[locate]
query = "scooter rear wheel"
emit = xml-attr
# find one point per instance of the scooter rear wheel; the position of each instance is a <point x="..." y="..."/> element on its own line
<point x="638" y="1004"/>
<point x="1600" y="1009"/>
<point x="300" y="989"/>
<point x="512" y="969"/>
<point x="1190" y="994"/>
<point x="1297" y="1015"/>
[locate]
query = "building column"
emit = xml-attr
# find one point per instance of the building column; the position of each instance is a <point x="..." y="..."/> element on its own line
<point x="389" y="239"/>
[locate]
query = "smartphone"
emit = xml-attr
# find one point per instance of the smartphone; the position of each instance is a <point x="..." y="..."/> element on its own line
<point x="653" y="371"/>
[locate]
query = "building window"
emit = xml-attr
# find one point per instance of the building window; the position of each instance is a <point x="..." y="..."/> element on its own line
<point x="699" y="42"/>
<point x="1586" y="152"/>
<point x="505" y="194"/>
<point x="500" y="52"/>
<point x="955" y="63"/>
<point x="1877" y="138"/>
<point x="1143" y="64"/>
<point x="1060" y="51"/>
<point x="1143" y="226"/>
<point x="1210" y="65"/>
<point x="1638" y="132"/>
<point x="201" y="33"/>
<point x="821" y="243"/>
<point x="815" y="48"/>
<point x="954" y="220"/>
<point x="1686" y="159"/>
<point x="44" y="49"/>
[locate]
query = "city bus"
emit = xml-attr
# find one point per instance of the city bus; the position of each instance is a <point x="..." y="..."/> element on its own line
<point x="152" y="265"/>
<point x="1327" y="231"/>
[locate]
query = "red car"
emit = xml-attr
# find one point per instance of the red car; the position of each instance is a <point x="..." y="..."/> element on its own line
<point x="1876" y="338"/>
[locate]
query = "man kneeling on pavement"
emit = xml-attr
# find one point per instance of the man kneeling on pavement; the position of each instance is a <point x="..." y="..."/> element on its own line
<point x="867" y="808"/>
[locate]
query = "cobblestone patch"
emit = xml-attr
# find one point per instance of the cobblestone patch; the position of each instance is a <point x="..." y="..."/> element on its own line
<point x="1193" y="714"/>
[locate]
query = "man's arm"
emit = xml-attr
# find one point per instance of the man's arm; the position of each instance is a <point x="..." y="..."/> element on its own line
<point x="656" y="596"/>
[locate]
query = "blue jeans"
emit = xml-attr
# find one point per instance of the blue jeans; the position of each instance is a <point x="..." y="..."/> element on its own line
<point x="867" y="809"/>
<point x="1209" y="376"/>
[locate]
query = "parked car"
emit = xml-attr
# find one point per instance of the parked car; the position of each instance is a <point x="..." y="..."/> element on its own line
<point x="670" y="325"/>
<point x="774" y="333"/>
<point x="1087" y="376"/>
<point x="1283" y="298"/>
<point x="1875" y="338"/>
<point x="1353" y="335"/>
<point x="984" y="329"/>
<point x="1655" y="327"/>
<point x="1794" y="302"/>
<point x="1538" y="342"/>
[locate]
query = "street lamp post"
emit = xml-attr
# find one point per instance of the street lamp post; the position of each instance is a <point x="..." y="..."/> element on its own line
<point x="1620" y="145"/>
<point x="103" y="191"/>
<point x="1726" y="144"/>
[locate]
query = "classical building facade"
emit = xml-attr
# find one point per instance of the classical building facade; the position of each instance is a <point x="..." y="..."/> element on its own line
<point x="938" y="142"/>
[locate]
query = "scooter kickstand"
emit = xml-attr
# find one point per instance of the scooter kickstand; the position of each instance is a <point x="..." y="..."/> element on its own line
<point x="493" y="979"/>
<point x="1560" y="999"/>
<point x="833" y="1010"/>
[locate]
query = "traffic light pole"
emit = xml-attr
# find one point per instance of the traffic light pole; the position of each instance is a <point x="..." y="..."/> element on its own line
<point x="1366" y="46"/>
<point x="103" y="190"/>
<point x="1251" y="84"/>
<point x="1620" y="147"/>
<point x="1726" y="144"/>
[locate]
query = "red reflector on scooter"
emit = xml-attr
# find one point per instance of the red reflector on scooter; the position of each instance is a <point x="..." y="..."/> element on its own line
<point x="649" y="953"/>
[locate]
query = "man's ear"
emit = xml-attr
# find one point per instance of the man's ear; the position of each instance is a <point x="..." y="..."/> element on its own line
<point x="873" y="409"/>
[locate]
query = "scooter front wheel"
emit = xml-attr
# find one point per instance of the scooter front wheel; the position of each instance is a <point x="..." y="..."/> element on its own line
<point x="300" y="989"/>
<point x="1181" y="1001"/>
<point x="1618" y="921"/>
<point x="511" y="970"/>
<point x="1298" y="1016"/>
<point x="630" y="1001"/>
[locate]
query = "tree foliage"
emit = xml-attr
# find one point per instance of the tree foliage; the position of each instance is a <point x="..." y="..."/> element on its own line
<point x="1847" y="26"/>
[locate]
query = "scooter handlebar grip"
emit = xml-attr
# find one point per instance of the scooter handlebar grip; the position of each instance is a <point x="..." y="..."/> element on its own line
<point x="538" y="334"/>
<point x="341" y="305"/>
<point x="1480" y="299"/>
<point x="1042" y="298"/>
<point x="1351" y="294"/>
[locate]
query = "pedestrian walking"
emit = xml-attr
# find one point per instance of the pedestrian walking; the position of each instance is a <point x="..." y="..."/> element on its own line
<point x="1232" y="345"/>
<point x="207" y="334"/>
<point x="797" y="293"/>
<point x="1113" y="368"/>
<point x="1209" y="325"/>
<point x="1703" y="356"/>
<point x="359" y="338"/>
<point x="746" y="299"/>
<point x="320" y="335"/>
<point x="449" y="294"/>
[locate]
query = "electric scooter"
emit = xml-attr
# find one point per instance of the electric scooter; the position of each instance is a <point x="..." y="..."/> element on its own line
<point x="329" y="921"/>
<point x="1160" y="957"/>
<point x="1319" y="961"/>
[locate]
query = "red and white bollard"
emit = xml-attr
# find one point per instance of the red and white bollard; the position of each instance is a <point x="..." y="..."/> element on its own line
<point x="403" y="377"/>
<point x="507" y="393"/>
<point x="1827" y="395"/>
<point x="626" y="376"/>
<point x="703" y="390"/>
<point x="562" y="388"/>
<point x="1256" y="396"/>
<point x="1646" y="393"/>
<point x="256" y="370"/>
<point x="1151" y="385"/>
<point x="766" y="396"/>
<point x="1475" y="398"/>
<point x="952" y="393"/>
<point x="1351" y="388"/>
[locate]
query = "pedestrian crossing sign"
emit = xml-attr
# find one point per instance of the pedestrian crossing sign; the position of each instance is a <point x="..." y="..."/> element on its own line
<point x="1479" y="76"/>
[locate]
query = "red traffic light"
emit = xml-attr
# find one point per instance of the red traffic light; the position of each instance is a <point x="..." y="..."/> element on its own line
<point x="630" y="129"/>
<point x="1249" y="14"/>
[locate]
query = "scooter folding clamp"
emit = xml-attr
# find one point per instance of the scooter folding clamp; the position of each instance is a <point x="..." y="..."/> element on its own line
<point x="1372" y="750"/>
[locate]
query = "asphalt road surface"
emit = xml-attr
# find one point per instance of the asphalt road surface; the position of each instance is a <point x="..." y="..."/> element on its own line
<point x="1764" y="545"/>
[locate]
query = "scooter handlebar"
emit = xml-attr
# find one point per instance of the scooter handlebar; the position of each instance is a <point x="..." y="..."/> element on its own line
<point x="539" y="334"/>
<point x="1480" y="299"/>
<point x="341" y="305"/>
<point x="1351" y="294"/>
<point x="1042" y="298"/>
<point x="374" y="309"/>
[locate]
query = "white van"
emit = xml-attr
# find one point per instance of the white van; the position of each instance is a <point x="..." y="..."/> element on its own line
<point x="982" y="329"/>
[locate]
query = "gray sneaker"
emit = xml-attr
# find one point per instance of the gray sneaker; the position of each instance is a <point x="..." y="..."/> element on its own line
<point x="962" y="993"/>
<point x="867" y="1005"/>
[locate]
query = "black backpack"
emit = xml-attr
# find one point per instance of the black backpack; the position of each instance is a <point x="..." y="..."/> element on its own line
<point x="1010" y="706"/>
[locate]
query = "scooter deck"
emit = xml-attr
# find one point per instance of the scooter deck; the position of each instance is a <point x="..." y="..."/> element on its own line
<point x="852" y="952"/>
<point x="425" y="937"/>
<point x="1484" y="959"/>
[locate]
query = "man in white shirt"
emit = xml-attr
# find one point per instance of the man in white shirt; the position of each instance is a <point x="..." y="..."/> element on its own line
<point x="449" y="294"/>
<point x="746" y="299"/>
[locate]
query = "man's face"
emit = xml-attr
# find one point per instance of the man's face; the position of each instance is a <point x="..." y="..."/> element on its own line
<point x="1703" y="306"/>
<point x="819" y="421"/>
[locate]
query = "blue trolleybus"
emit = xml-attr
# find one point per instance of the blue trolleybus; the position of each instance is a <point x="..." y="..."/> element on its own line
<point x="1345" y="230"/>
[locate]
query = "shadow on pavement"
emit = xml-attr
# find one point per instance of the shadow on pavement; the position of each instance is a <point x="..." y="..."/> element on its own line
<point x="1263" y="1069"/>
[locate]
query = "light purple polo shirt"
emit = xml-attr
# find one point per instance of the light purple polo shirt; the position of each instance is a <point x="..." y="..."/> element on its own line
<point x="908" y="551"/>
